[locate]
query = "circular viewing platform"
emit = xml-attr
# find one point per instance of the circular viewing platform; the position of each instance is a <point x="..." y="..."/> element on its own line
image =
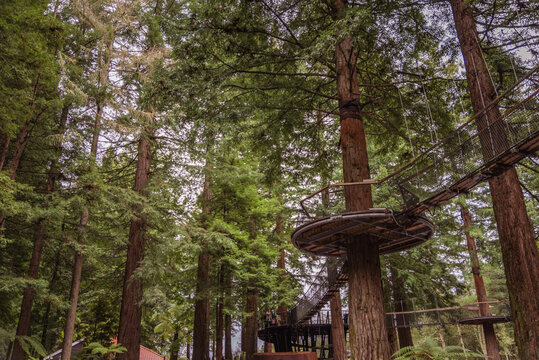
<point x="329" y="235"/>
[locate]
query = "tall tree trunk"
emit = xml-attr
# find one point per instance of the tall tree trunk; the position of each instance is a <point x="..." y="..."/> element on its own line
<point x="219" y="320"/>
<point x="23" y="327"/>
<point x="519" y="250"/>
<point x="404" y="332"/>
<point x="338" y="339"/>
<point x="69" y="327"/>
<point x="174" y="347"/>
<point x="5" y="148"/>
<point x="228" y="317"/>
<point x="52" y="286"/>
<point x="368" y="333"/>
<point x="249" y="344"/>
<point x="201" y="327"/>
<point x="131" y="309"/>
<point x="480" y="290"/>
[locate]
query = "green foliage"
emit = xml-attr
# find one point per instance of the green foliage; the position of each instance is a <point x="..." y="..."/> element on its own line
<point x="431" y="350"/>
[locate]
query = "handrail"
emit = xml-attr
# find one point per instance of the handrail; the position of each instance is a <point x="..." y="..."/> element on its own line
<point x="476" y="115"/>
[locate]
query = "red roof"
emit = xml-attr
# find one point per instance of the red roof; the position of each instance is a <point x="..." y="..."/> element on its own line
<point x="147" y="354"/>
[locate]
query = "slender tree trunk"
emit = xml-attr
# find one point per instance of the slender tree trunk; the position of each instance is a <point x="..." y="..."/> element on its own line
<point x="174" y="347"/>
<point x="519" y="250"/>
<point x="23" y="327"/>
<point x="393" y="340"/>
<point x="69" y="327"/>
<point x="188" y="351"/>
<point x="71" y="316"/>
<point x="52" y="287"/>
<point x="338" y="339"/>
<point x="5" y="148"/>
<point x="228" y="317"/>
<point x="219" y="320"/>
<point x="404" y="332"/>
<point x="201" y="328"/>
<point x="368" y="333"/>
<point x="491" y="343"/>
<point x="131" y="309"/>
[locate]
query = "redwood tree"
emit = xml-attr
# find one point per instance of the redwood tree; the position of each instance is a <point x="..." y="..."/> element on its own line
<point x="519" y="250"/>
<point x="368" y="334"/>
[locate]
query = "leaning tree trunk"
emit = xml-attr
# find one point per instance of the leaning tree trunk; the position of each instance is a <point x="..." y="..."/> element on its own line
<point x="201" y="326"/>
<point x="368" y="334"/>
<point x="519" y="250"/>
<point x="491" y="343"/>
<point x="23" y="326"/>
<point x="131" y="309"/>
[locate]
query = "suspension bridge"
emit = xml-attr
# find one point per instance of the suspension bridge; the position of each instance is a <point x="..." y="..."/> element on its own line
<point x="466" y="157"/>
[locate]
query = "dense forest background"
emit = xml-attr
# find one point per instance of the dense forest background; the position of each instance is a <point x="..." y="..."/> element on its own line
<point x="171" y="140"/>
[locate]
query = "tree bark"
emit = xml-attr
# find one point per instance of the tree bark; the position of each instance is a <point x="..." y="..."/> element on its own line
<point x="491" y="343"/>
<point x="338" y="339"/>
<point x="228" y="318"/>
<point x="219" y="321"/>
<point x="131" y="309"/>
<point x="249" y="346"/>
<point x="69" y="328"/>
<point x="23" y="327"/>
<point x="404" y="332"/>
<point x="71" y="316"/>
<point x="174" y="347"/>
<point x="368" y="333"/>
<point x="519" y="250"/>
<point x="5" y="148"/>
<point x="201" y="327"/>
<point x="52" y="287"/>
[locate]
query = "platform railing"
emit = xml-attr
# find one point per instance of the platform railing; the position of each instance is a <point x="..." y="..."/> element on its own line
<point x="467" y="151"/>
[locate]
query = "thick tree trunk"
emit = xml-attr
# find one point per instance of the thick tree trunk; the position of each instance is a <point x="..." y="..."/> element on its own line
<point x="250" y="335"/>
<point x="228" y="317"/>
<point x="519" y="250"/>
<point x="131" y="309"/>
<point x="368" y="334"/>
<point x="491" y="343"/>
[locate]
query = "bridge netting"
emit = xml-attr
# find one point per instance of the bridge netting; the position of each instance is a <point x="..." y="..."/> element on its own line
<point x="469" y="155"/>
<point x="464" y="158"/>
